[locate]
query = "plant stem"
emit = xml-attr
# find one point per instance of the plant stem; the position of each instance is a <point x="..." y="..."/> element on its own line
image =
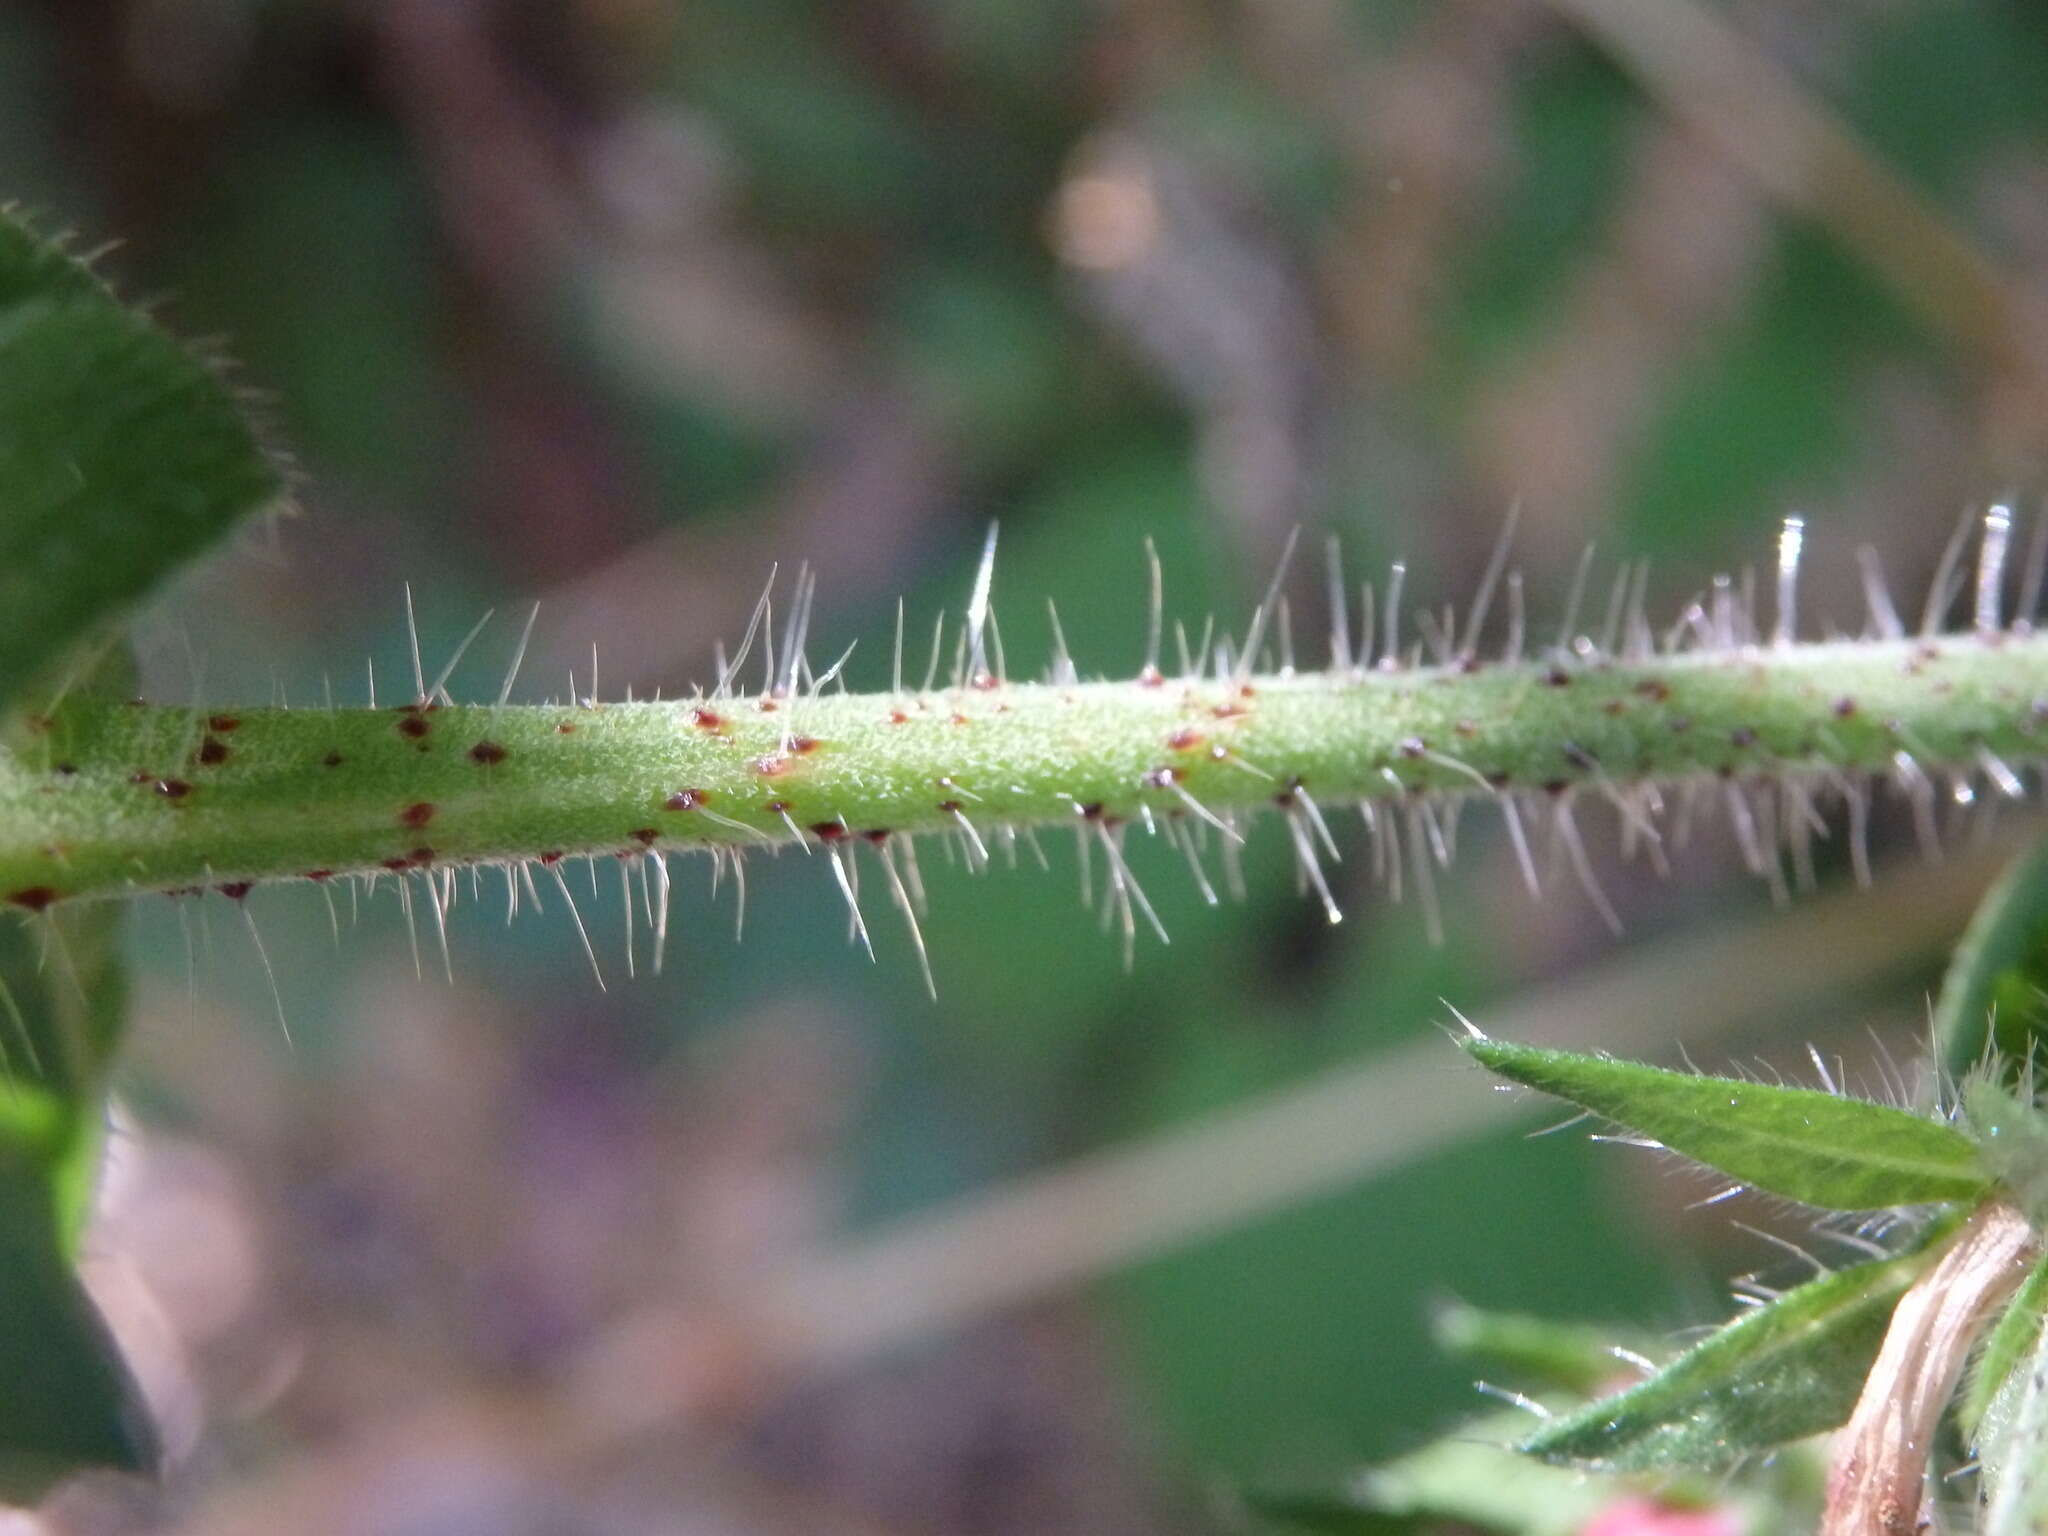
<point x="124" y="797"/>
<point x="1878" y="1482"/>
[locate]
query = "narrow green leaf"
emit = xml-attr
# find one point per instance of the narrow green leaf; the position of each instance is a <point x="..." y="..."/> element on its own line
<point x="1840" y="1153"/>
<point x="1471" y="1477"/>
<point x="1786" y="1370"/>
<point x="2015" y="1453"/>
<point x="63" y="994"/>
<point x="1992" y="1000"/>
<point x="70" y="1403"/>
<point x="59" y="1022"/>
<point x="121" y="455"/>
<point x="1534" y="1351"/>
<point x="2010" y="1341"/>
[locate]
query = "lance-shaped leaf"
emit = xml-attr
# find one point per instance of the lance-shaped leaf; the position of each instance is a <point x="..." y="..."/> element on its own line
<point x="1786" y="1370"/>
<point x="1990" y="1408"/>
<point x="1993" y="1004"/>
<point x="2012" y="1443"/>
<point x="1538" y="1352"/>
<point x="70" y="1403"/>
<point x="1841" y="1153"/>
<point x="2009" y="1343"/>
<point x="121" y="455"/>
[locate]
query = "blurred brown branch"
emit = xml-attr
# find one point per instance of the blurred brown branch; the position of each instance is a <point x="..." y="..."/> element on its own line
<point x="1704" y="72"/>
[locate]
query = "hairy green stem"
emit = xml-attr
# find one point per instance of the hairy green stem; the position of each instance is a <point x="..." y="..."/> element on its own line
<point x="124" y="797"/>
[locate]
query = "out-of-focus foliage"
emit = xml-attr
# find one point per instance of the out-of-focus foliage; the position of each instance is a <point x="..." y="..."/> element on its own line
<point x="613" y="304"/>
<point x="121" y="456"/>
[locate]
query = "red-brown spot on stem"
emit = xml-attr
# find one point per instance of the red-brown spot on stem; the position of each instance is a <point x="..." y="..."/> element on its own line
<point x="211" y="753"/>
<point x="644" y="835"/>
<point x="566" y="728"/>
<point x="332" y="760"/>
<point x="707" y="720"/>
<point x="235" y="890"/>
<point x="1844" y="707"/>
<point x="489" y="753"/>
<point x="225" y="724"/>
<point x="413" y="726"/>
<point x="34" y="897"/>
<point x="686" y="799"/>
<point x="416" y="815"/>
<point x="777" y="807"/>
<point x="768" y="706"/>
<point x="830" y="831"/>
<point x="173" y="789"/>
<point x="319" y="874"/>
<point x="1229" y="711"/>
<point x="552" y="856"/>
<point x="897" y="717"/>
<point x="878" y="836"/>
<point x="1184" y="739"/>
<point x="801" y="745"/>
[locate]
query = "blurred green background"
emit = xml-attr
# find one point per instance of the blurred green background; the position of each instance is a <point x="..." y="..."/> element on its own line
<point x="612" y="304"/>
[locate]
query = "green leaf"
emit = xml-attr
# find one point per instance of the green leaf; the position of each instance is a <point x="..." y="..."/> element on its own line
<point x="2010" y="1341"/>
<point x="1993" y="1001"/>
<point x="70" y="1402"/>
<point x="121" y="456"/>
<point x="1470" y="1477"/>
<point x="2014" y="1449"/>
<point x="1786" y="1370"/>
<point x="1537" y="1351"/>
<point x="1840" y="1153"/>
